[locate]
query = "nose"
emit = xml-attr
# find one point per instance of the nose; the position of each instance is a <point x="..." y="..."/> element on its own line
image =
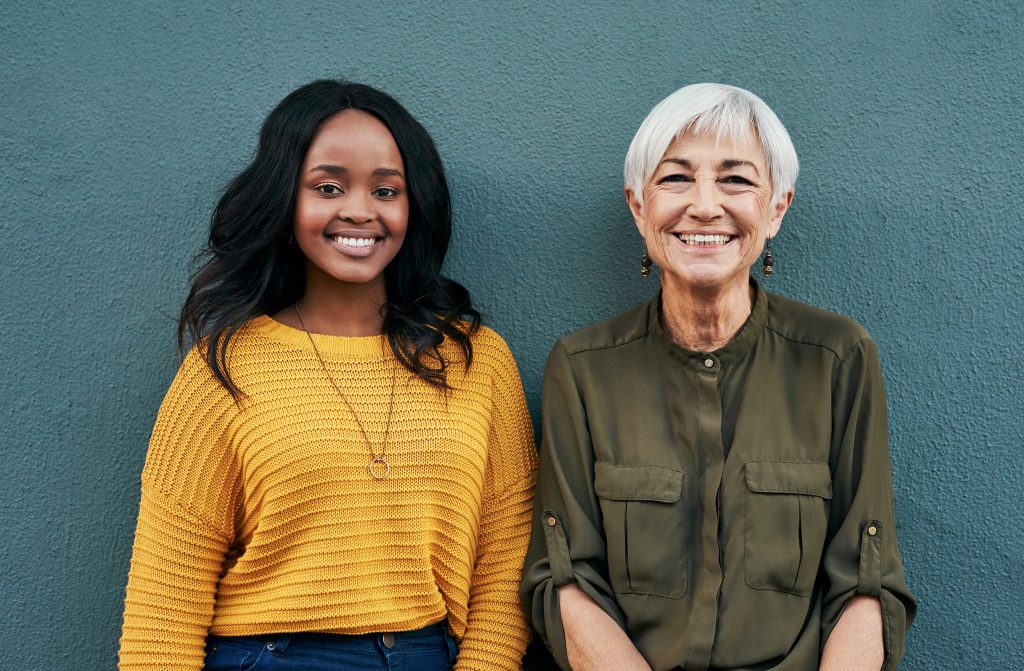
<point x="355" y="208"/>
<point x="705" y="205"/>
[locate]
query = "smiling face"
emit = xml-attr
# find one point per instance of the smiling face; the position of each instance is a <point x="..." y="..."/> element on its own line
<point x="707" y="212"/>
<point x="352" y="207"/>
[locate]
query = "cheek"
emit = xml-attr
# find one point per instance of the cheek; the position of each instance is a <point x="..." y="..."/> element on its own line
<point x="398" y="220"/>
<point x="307" y="214"/>
<point x="762" y="203"/>
<point x="752" y="211"/>
<point x="661" y="213"/>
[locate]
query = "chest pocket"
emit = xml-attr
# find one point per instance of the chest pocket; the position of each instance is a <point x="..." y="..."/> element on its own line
<point x="785" y="524"/>
<point x="644" y="528"/>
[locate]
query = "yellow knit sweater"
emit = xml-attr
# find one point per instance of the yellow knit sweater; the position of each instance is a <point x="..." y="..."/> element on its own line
<point x="261" y="517"/>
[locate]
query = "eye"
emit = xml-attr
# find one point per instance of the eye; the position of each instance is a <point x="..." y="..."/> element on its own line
<point x="328" y="188"/>
<point x="385" y="192"/>
<point x="675" y="177"/>
<point x="737" y="179"/>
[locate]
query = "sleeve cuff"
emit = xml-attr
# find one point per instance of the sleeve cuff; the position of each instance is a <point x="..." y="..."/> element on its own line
<point x="558" y="549"/>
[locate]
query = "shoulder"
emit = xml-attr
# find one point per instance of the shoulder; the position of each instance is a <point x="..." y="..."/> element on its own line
<point x="490" y="351"/>
<point x="493" y="372"/>
<point x="804" y="324"/>
<point x="622" y="329"/>
<point x="487" y="339"/>
<point x="195" y="381"/>
<point x="261" y="334"/>
<point x="492" y="365"/>
<point x="247" y="339"/>
<point x="247" y="351"/>
<point x="194" y="371"/>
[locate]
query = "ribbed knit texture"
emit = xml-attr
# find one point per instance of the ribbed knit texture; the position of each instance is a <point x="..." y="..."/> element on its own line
<point x="261" y="517"/>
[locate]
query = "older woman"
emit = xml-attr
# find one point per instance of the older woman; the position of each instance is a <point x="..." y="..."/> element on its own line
<point x="715" y="489"/>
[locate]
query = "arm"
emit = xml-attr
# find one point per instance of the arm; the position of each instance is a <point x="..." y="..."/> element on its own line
<point x="567" y="546"/>
<point x="176" y="560"/>
<point x="184" y="527"/>
<point x="594" y="642"/>
<point x="862" y="557"/>
<point x="856" y="641"/>
<point x="496" y="629"/>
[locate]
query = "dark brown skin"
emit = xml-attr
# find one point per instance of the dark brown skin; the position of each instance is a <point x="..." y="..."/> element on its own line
<point x="351" y="214"/>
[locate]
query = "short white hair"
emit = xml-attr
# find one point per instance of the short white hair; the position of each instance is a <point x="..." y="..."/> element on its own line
<point x="727" y="112"/>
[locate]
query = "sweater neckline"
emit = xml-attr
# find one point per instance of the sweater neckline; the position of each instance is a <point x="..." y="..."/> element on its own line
<point x="363" y="346"/>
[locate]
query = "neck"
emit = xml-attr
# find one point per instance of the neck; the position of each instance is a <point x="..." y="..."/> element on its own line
<point x="704" y="319"/>
<point x="341" y="309"/>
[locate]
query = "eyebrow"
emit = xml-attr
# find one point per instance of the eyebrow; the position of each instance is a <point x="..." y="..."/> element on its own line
<point x="730" y="163"/>
<point x="727" y="164"/>
<point x="342" y="170"/>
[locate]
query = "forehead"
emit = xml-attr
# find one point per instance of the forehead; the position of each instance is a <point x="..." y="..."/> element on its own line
<point x="710" y="145"/>
<point x="353" y="134"/>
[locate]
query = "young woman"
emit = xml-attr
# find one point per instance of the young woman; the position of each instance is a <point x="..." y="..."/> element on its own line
<point x="341" y="473"/>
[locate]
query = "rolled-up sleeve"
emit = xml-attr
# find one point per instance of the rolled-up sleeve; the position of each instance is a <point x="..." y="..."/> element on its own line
<point x="567" y="543"/>
<point x="862" y="556"/>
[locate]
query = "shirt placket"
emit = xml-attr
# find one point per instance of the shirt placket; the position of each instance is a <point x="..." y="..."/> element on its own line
<point x="704" y="619"/>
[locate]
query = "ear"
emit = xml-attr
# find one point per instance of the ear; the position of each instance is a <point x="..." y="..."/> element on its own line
<point x="637" y="209"/>
<point x="778" y="212"/>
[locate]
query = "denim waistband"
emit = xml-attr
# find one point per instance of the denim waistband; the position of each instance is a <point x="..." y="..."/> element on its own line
<point x="432" y="634"/>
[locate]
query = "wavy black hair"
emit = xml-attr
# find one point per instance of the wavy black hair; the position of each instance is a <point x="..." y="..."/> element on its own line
<point x="249" y="266"/>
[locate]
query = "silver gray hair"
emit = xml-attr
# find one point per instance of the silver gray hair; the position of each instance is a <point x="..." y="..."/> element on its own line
<point x="727" y="112"/>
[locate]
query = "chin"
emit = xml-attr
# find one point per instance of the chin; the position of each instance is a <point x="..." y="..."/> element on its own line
<point x="352" y="277"/>
<point x="708" y="281"/>
<point x="360" y="278"/>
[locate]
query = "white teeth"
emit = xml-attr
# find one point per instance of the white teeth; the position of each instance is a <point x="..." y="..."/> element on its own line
<point x="699" y="239"/>
<point x="355" y="242"/>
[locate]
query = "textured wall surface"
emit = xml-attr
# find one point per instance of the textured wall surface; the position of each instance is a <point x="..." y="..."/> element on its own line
<point x="120" y="122"/>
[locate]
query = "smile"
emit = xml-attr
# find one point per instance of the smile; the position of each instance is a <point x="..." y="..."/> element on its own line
<point x="354" y="246"/>
<point x="354" y="242"/>
<point x="704" y="240"/>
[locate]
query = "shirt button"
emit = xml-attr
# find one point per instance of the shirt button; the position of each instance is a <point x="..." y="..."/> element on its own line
<point x="709" y="363"/>
<point x="872" y="530"/>
<point x="552" y="522"/>
<point x="388" y="640"/>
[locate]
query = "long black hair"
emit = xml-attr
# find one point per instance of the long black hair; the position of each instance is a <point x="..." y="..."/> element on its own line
<point x="250" y="267"/>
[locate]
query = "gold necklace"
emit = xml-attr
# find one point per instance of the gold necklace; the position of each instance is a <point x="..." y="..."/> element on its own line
<point x="379" y="467"/>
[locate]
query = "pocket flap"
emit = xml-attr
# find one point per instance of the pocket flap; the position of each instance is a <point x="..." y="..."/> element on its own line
<point x="789" y="477"/>
<point x="637" y="483"/>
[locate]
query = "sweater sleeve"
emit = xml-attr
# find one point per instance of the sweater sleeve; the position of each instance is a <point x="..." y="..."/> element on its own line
<point x="861" y="556"/>
<point x="497" y="631"/>
<point x="190" y="492"/>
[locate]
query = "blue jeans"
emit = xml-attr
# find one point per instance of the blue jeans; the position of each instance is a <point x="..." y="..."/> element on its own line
<point x="428" y="649"/>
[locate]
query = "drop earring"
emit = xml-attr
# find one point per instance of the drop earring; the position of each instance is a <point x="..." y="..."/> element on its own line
<point x="768" y="262"/>
<point x="645" y="264"/>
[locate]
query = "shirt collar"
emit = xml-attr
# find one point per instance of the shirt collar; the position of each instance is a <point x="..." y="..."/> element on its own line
<point x="732" y="352"/>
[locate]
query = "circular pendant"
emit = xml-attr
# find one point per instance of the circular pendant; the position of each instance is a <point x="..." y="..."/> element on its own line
<point x="379" y="468"/>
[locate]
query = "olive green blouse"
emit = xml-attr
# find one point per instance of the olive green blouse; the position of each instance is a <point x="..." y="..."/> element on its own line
<point x="721" y="507"/>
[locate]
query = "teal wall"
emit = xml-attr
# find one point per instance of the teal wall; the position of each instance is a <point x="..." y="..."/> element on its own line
<point x="120" y="122"/>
